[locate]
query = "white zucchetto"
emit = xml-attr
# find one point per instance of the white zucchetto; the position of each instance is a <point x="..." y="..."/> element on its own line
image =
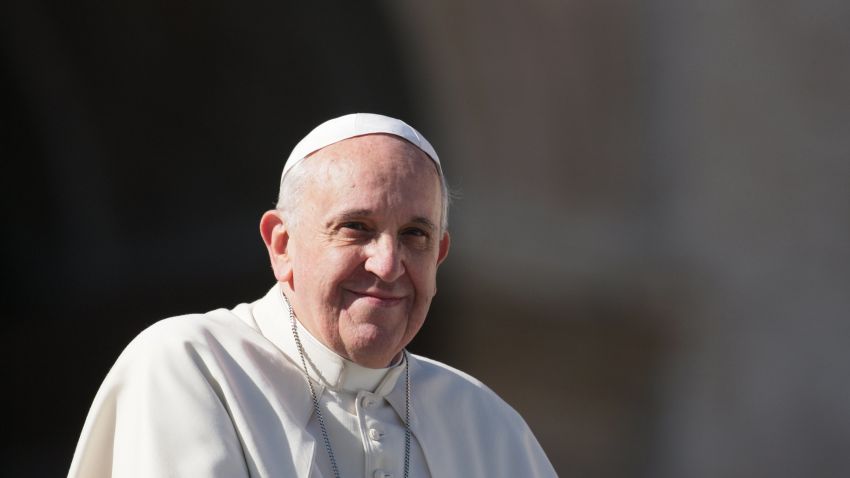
<point x="357" y="124"/>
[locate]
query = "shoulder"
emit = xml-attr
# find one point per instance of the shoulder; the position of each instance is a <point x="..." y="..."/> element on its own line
<point x="467" y="429"/>
<point x="187" y="340"/>
<point x="447" y="384"/>
<point x="429" y="369"/>
<point x="177" y="331"/>
<point x="192" y="328"/>
<point x="163" y="409"/>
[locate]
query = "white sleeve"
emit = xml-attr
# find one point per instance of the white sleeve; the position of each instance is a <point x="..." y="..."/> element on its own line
<point x="158" y="414"/>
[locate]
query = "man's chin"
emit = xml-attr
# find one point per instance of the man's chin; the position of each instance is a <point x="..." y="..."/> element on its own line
<point x="372" y="345"/>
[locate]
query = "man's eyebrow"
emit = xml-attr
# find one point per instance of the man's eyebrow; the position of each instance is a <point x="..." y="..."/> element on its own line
<point x="423" y="221"/>
<point x="348" y="215"/>
<point x="352" y="214"/>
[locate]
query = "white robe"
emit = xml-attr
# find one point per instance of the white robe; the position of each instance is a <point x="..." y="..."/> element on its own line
<point x="222" y="394"/>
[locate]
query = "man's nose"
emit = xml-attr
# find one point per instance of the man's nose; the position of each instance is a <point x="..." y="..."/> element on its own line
<point x="384" y="258"/>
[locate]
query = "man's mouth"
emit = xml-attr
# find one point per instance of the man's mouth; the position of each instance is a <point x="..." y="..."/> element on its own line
<point x="378" y="298"/>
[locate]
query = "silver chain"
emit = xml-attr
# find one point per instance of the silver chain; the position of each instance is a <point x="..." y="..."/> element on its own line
<point x="318" y="411"/>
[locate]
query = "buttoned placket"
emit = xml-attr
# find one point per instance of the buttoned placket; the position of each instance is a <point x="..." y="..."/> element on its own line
<point x="379" y="453"/>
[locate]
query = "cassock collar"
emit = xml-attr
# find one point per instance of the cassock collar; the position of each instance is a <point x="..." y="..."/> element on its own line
<point x="327" y="368"/>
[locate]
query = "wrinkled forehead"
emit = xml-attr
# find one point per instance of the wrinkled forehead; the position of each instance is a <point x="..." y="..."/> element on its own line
<point x="377" y="175"/>
<point x="354" y="125"/>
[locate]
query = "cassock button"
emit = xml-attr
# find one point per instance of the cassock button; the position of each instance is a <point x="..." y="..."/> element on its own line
<point x="382" y="474"/>
<point x="376" y="434"/>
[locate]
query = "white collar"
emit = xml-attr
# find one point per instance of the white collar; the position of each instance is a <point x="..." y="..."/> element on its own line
<point x="327" y="368"/>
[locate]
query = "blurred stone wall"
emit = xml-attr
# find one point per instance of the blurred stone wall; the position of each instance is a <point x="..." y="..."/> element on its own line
<point x="651" y="246"/>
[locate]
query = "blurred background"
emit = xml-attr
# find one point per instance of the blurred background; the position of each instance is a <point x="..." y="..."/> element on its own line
<point x="651" y="241"/>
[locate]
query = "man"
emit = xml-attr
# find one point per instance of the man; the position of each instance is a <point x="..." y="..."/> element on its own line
<point x="313" y="379"/>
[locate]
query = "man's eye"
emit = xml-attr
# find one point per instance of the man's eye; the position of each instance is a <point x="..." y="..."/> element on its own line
<point x="416" y="232"/>
<point x="357" y="226"/>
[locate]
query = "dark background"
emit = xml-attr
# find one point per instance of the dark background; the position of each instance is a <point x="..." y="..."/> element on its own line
<point x="650" y="241"/>
<point x="142" y="142"/>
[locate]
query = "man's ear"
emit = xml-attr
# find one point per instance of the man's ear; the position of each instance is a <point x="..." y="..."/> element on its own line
<point x="276" y="236"/>
<point x="445" y="242"/>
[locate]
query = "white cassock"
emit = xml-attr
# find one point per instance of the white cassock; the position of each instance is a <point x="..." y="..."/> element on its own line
<point x="223" y="394"/>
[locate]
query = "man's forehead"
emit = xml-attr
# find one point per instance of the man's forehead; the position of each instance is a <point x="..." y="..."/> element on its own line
<point x="375" y="164"/>
<point x="363" y="176"/>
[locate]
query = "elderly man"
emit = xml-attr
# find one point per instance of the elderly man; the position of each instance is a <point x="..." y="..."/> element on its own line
<point x="313" y="380"/>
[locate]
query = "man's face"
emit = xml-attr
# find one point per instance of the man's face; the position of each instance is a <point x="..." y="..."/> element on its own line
<point x="366" y="245"/>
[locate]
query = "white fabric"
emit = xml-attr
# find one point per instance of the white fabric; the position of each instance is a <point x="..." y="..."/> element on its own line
<point x="365" y="431"/>
<point x="356" y="124"/>
<point x="221" y="395"/>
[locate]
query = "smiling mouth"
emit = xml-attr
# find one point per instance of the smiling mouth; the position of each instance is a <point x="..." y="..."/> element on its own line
<point x="377" y="298"/>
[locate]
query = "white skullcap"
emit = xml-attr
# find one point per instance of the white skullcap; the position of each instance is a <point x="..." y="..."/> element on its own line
<point x="357" y="124"/>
